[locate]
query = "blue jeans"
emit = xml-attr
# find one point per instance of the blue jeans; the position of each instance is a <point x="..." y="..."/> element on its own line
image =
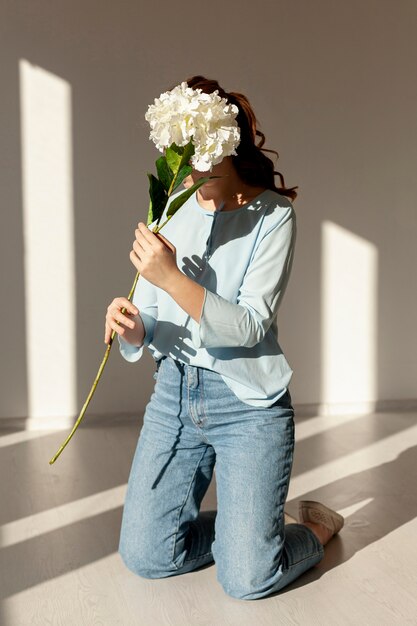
<point x="193" y="422"/>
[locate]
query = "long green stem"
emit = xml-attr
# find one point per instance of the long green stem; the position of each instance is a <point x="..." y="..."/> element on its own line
<point x="173" y="181"/>
<point x="103" y="363"/>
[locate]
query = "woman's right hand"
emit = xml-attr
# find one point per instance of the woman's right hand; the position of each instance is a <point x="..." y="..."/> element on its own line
<point x="129" y="325"/>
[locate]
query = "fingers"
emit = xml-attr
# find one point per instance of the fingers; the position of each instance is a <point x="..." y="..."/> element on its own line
<point x="116" y="327"/>
<point x="135" y="260"/>
<point x="147" y="247"/>
<point x="124" y="303"/>
<point x="143" y="242"/>
<point x="107" y="333"/>
<point x="147" y="239"/>
<point x="140" y="245"/>
<point x="165" y="241"/>
<point x="143" y="230"/>
<point x="122" y="319"/>
<point x="138" y="249"/>
<point x="115" y="319"/>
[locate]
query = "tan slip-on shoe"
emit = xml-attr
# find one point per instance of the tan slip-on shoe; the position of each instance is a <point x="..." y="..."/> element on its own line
<point x="318" y="513"/>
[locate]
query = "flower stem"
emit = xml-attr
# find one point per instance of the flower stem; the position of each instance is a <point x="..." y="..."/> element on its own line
<point x="103" y="363"/>
<point x="171" y="187"/>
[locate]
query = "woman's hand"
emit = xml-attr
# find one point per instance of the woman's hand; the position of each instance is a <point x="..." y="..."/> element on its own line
<point x="154" y="257"/>
<point x="131" y="329"/>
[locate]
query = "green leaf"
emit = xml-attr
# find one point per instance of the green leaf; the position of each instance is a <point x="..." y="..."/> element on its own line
<point x="182" y="167"/>
<point x="179" y="200"/>
<point x="165" y="174"/>
<point x="186" y="154"/>
<point x="183" y="173"/>
<point x="173" y="158"/>
<point x="178" y="156"/>
<point x="158" y="199"/>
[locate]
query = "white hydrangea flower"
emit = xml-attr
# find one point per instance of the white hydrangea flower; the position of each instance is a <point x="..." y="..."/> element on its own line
<point x="209" y="121"/>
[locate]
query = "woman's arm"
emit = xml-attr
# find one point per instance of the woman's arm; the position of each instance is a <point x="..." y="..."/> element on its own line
<point x="220" y="323"/>
<point x="216" y="322"/>
<point x="188" y="294"/>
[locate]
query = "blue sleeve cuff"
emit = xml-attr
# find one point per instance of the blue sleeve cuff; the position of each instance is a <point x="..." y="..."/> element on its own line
<point x="222" y="324"/>
<point x="149" y="322"/>
<point x="129" y="352"/>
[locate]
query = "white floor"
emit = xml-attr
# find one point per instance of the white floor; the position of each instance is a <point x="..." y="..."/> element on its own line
<point x="59" y="533"/>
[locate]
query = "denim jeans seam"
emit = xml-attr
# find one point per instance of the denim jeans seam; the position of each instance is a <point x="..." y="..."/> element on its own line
<point x="307" y="558"/>
<point x="190" y="409"/>
<point x="204" y="418"/>
<point x="321" y="547"/>
<point x="182" y="508"/>
<point x="197" y="558"/>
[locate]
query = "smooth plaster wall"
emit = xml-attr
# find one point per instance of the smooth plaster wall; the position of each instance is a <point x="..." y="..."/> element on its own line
<point x="333" y="85"/>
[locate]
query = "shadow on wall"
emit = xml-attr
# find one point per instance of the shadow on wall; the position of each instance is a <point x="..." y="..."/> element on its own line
<point x="77" y="151"/>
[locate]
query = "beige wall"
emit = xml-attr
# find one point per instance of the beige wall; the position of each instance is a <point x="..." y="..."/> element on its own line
<point x="333" y="86"/>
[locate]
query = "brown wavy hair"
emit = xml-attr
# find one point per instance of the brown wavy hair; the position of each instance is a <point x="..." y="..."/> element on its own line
<point x="254" y="167"/>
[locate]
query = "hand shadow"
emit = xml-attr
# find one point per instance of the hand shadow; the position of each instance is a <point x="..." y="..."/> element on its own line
<point x="169" y="338"/>
<point x="196" y="267"/>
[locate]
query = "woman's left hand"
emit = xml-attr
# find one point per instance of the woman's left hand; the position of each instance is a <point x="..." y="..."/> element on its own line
<point x="154" y="257"/>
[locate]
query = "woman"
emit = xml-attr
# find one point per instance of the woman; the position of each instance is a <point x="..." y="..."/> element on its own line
<point x="221" y="396"/>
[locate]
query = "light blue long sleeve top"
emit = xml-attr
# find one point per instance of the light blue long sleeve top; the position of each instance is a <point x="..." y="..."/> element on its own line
<point x="243" y="259"/>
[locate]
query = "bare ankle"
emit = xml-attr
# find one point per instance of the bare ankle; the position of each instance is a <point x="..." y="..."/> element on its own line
<point x="322" y="533"/>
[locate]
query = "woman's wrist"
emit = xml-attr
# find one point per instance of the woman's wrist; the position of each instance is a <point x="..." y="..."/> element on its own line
<point x="135" y="336"/>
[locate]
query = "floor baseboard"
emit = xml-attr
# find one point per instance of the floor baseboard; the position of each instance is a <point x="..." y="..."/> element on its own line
<point x="300" y="410"/>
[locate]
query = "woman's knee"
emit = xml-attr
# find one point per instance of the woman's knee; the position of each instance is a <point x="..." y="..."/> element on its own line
<point x="143" y="552"/>
<point x="146" y="561"/>
<point x="245" y="587"/>
<point x="246" y="575"/>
